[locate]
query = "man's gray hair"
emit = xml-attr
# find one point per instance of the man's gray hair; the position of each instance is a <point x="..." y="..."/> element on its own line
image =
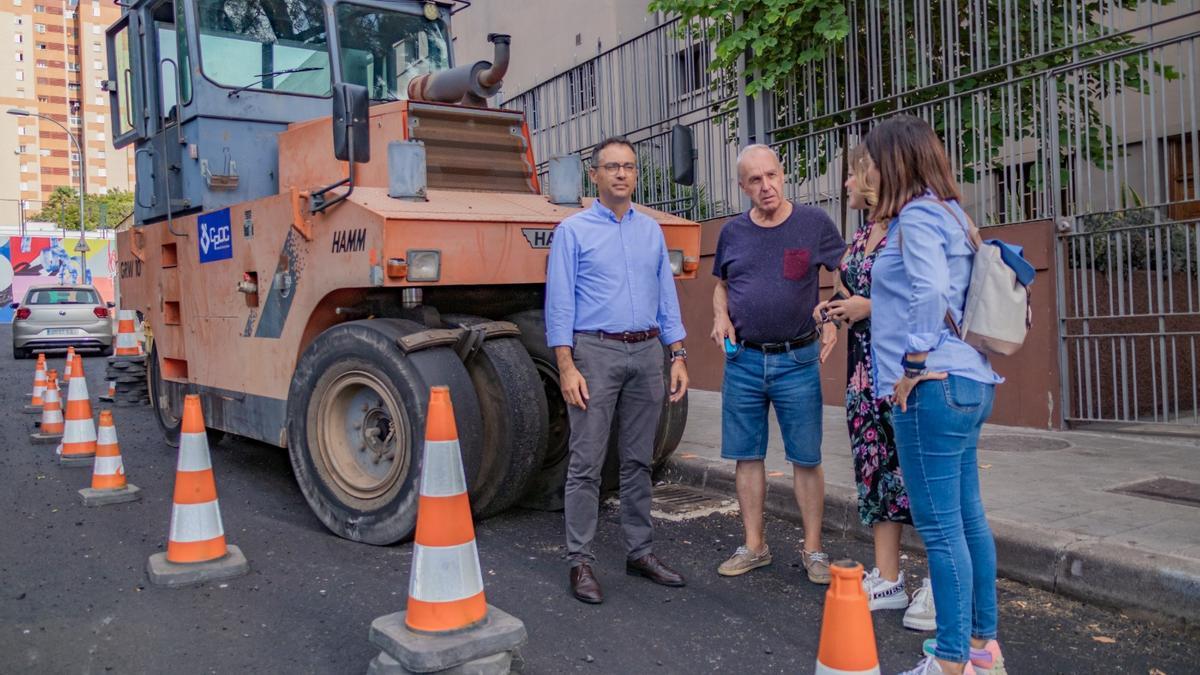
<point x="752" y="148"/>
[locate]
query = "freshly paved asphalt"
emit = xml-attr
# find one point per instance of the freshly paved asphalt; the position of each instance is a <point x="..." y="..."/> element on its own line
<point x="75" y="598"/>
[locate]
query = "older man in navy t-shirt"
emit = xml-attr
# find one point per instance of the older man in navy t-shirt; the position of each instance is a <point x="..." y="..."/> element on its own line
<point x="767" y="268"/>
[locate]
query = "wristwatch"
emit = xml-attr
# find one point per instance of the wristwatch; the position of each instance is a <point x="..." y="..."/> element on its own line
<point x="679" y="355"/>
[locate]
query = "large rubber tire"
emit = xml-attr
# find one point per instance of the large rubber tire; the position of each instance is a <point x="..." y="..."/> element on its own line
<point x="353" y="379"/>
<point x="545" y="492"/>
<point x="513" y="407"/>
<point x="166" y="398"/>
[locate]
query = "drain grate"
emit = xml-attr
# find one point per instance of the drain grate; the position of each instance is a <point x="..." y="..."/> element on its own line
<point x="679" y="502"/>
<point x="1171" y="490"/>
<point x="1021" y="444"/>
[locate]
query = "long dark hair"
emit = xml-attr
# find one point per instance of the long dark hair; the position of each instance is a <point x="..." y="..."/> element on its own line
<point x="911" y="160"/>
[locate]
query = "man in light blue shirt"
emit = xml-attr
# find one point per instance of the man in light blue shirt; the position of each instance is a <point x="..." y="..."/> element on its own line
<point x="609" y="295"/>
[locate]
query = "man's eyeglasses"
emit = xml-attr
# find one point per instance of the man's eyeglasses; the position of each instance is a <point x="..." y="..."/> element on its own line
<point x="613" y="167"/>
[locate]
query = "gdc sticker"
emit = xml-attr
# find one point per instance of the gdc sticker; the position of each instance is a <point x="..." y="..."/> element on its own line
<point x="215" y="236"/>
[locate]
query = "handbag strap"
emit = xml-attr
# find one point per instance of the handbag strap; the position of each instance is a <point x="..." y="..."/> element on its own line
<point x="973" y="240"/>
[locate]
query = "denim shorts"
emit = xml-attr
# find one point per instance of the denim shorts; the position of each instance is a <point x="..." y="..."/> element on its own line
<point x="790" y="381"/>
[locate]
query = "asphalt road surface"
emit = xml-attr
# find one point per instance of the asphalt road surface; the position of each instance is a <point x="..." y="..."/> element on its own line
<point x="75" y="598"/>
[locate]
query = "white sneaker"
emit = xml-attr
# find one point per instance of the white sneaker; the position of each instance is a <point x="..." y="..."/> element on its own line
<point x="884" y="594"/>
<point x="921" y="614"/>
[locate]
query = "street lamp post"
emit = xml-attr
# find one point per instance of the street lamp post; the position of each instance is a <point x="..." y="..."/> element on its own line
<point x="82" y="247"/>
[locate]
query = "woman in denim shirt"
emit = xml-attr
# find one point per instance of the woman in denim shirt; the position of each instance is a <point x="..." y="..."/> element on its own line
<point x="941" y="387"/>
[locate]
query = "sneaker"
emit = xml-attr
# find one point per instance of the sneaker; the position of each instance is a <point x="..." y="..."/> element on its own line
<point x="884" y="594"/>
<point x="930" y="666"/>
<point x="987" y="661"/>
<point x="743" y="561"/>
<point x="921" y="614"/>
<point x="816" y="563"/>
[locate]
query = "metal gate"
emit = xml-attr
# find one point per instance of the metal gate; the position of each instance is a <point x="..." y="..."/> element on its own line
<point x="1129" y="235"/>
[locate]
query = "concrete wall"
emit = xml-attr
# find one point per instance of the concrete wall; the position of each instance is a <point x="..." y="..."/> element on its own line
<point x="549" y="36"/>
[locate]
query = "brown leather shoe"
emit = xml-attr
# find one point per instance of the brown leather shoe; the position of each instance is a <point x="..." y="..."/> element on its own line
<point x="653" y="569"/>
<point x="584" y="585"/>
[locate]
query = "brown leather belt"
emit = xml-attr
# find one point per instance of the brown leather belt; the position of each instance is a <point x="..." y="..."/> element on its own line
<point x="629" y="336"/>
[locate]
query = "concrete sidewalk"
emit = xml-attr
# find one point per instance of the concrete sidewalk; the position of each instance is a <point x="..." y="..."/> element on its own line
<point x="1049" y="496"/>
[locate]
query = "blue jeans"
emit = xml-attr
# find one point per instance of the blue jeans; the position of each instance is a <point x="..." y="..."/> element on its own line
<point x="791" y="381"/>
<point x="937" y="438"/>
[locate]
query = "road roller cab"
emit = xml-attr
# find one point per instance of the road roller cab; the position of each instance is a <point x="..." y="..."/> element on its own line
<point x="328" y="222"/>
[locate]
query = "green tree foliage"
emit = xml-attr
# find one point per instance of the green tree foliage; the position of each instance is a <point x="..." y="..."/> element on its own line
<point x="63" y="208"/>
<point x="778" y="38"/>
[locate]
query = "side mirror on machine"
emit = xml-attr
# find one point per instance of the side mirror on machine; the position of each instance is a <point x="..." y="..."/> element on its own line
<point x="351" y="131"/>
<point x="683" y="156"/>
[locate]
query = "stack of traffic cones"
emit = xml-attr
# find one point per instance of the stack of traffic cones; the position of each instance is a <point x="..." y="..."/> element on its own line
<point x="50" y="429"/>
<point x="79" y="436"/>
<point x="847" y="636"/>
<point x="196" y="549"/>
<point x="39" y="386"/>
<point x="127" y="344"/>
<point x="108" y="472"/>
<point x="448" y="623"/>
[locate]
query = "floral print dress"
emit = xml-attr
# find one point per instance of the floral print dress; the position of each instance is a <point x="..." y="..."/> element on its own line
<point x="881" y="493"/>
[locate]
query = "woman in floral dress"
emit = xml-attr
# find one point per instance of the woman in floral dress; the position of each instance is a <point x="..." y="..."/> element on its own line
<point x="882" y="500"/>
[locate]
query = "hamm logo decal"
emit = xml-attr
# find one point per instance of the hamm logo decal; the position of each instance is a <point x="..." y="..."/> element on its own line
<point x="538" y="237"/>
<point x="349" y="241"/>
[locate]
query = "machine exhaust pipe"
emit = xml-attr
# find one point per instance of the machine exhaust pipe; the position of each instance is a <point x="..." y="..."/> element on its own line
<point x="467" y="85"/>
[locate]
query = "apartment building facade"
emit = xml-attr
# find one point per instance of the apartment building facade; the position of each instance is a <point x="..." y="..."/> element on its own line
<point x="55" y="66"/>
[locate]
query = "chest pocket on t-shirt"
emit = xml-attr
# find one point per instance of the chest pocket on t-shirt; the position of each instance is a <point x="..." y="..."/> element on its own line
<point x="795" y="263"/>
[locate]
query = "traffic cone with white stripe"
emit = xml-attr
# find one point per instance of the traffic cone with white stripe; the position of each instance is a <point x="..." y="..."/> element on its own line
<point x="111" y="393"/>
<point x="67" y="367"/>
<point x="79" y="436"/>
<point x="39" y="386"/>
<point x="108" y="473"/>
<point x="196" y="548"/>
<point x="127" y="344"/>
<point x="847" y="644"/>
<point x="445" y="591"/>
<point x="50" y="429"/>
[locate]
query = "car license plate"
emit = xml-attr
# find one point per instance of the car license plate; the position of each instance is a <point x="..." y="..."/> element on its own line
<point x="62" y="331"/>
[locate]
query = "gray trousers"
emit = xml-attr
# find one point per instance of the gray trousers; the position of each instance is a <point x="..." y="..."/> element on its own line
<point x="625" y="380"/>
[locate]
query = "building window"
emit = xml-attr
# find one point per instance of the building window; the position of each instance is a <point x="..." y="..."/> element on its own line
<point x="20" y="57"/>
<point x="72" y="67"/>
<point x="99" y="100"/>
<point x="22" y="149"/>
<point x="72" y="86"/>
<point x="100" y="135"/>
<point x="102" y="172"/>
<point x="74" y="156"/>
<point x="95" y="8"/>
<point x="70" y="14"/>
<point x="19" y="74"/>
<point x="95" y="30"/>
<point x="20" y="20"/>
<point x="21" y="131"/>
<point x="689" y="68"/>
<point x="44" y="153"/>
<point x="100" y="119"/>
<point x="101" y="154"/>
<point x="20" y="92"/>
<point x="96" y="47"/>
<point x="41" y="64"/>
<point x="39" y="27"/>
<point x="581" y="88"/>
<point x="18" y="38"/>
<point x="73" y="120"/>
<point x="97" y="65"/>
<point x="24" y="186"/>
<point x="39" y="8"/>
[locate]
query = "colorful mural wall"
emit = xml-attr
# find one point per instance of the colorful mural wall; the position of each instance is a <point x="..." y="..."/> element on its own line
<point x="35" y="261"/>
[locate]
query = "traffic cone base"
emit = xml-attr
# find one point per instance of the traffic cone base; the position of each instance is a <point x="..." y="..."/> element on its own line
<point x="847" y="644"/>
<point x="196" y="548"/>
<point x="448" y="623"/>
<point x="163" y="572"/>
<point x="94" y="497"/>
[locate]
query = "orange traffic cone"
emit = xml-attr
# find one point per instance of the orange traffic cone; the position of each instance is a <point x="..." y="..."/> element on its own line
<point x="67" y="367"/>
<point x="39" y="386"/>
<point x="108" y="473"/>
<point x="196" y="549"/>
<point x="50" y="429"/>
<point x="445" y="591"/>
<point x="111" y="393"/>
<point x="847" y="636"/>
<point x="79" y="435"/>
<point x="127" y="344"/>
